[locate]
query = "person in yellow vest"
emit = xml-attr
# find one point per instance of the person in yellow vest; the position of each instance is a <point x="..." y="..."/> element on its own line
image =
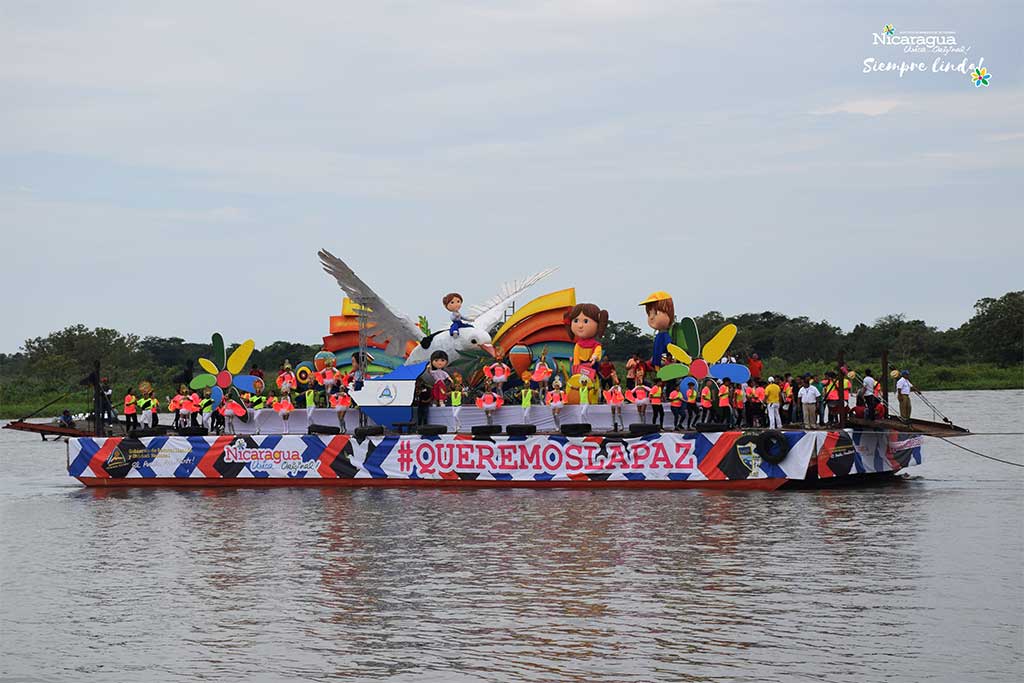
<point x="657" y="410"/>
<point x="145" y="417"/>
<point x="675" y="404"/>
<point x="455" y="396"/>
<point x="788" y="414"/>
<point x="525" y="394"/>
<point x="154" y="409"/>
<point x="131" y="418"/>
<point x="739" y="404"/>
<point x="691" y="405"/>
<point x="257" y="403"/>
<point x="206" y="410"/>
<point x="707" y="396"/>
<point x="773" y="399"/>
<point x="724" y="411"/>
<point x="310" y="405"/>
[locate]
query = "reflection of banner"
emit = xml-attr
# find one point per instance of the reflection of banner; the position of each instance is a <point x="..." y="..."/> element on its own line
<point x="717" y="457"/>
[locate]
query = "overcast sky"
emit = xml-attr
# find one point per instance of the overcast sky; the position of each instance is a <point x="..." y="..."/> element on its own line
<point x="172" y="170"/>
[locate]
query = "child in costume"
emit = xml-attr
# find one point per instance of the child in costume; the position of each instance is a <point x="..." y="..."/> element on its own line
<point x="186" y="409"/>
<point x="498" y="373"/>
<point x="556" y="400"/>
<point x="640" y="396"/>
<point x="614" y="398"/>
<point x="586" y="324"/>
<point x="284" y="408"/>
<point x="174" y="404"/>
<point x="341" y="402"/>
<point x="488" y="402"/>
<point x="453" y="304"/>
<point x="286" y="380"/>
<point x="661" y="314"/>
<point x="329" y="377"/>
<point x="439" y="389"/>
<point x="542" y="371"/>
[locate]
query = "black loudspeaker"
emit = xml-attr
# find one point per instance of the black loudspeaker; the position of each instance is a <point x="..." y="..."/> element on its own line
<point x="431" y="430"/>
<point x="521" y="430"/>
<point x="142" y="433"/>
<point x="193" y="431"/>
<point x="641" y="428"/>
<point x="712" y="427"/>
<point x="576" y="429"/>
<point x="486" y="430"/>
<point x="373" y="430"/>
<point x="323" y="429"/>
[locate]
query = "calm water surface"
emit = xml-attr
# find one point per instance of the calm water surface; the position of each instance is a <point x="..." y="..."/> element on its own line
<point x="910" y="582"/>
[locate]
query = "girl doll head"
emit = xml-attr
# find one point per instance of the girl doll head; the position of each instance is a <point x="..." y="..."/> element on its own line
<point x="586" y="321"/>
<point x="452" y="301"/>
<point x="438" y="360"/>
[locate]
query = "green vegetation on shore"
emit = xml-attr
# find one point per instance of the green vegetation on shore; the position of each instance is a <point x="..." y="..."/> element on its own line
<point x="986" y="352"/>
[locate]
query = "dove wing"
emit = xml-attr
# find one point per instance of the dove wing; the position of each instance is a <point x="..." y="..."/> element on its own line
<point x="387" y="321"/>
<point x="487" y="314"/>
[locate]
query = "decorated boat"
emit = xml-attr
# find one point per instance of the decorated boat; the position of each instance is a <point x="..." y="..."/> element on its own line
<point x="387" y="402"/>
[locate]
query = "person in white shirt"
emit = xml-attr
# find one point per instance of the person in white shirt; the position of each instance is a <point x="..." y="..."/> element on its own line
<point x="808" y="396"/>
<point x="903" y="389"/>
<point x="870" y="400"/>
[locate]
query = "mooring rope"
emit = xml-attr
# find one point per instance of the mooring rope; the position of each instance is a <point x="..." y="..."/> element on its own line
<point x="989" y="457"/>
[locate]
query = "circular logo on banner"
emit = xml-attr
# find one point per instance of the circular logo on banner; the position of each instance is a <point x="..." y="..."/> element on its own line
<point x="387" y="394"/>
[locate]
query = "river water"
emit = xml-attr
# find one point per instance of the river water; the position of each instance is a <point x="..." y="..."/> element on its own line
<point x="915" y="581"/>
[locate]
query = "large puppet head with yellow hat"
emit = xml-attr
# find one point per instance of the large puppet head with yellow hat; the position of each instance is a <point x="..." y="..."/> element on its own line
<point x="661" y="311"/>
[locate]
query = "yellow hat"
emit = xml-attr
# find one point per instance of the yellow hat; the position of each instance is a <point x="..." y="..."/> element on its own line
<point x="656" y="296"/>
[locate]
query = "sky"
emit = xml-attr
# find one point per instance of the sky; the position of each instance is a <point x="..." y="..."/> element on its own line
<point x="171" y="169"/>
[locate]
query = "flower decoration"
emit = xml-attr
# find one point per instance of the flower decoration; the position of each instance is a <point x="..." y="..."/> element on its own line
<point x="980" y="77"/>
<point x="222" y="376"/>
<point x="888" y="29"/>
<point x="687" y="345"/>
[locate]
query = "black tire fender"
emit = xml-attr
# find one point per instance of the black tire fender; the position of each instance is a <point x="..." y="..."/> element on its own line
<point x="772" y="446"/>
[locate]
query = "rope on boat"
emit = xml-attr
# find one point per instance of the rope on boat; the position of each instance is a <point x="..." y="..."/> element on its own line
<point x="42" y="408"/>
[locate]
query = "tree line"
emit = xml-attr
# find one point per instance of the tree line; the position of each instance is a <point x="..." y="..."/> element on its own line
<point x="47" y="366"/>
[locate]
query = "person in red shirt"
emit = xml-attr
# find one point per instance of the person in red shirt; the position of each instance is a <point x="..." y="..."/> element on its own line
<point x="755" y="365"/>
<point x="606" y="370"/>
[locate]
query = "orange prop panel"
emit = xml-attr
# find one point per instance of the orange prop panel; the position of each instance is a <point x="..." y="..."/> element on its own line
<point x="530" y="327"/>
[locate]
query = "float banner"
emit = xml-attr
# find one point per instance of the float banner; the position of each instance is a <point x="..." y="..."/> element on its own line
<point x="848" y="452"/>
<point x="660" y="457"/>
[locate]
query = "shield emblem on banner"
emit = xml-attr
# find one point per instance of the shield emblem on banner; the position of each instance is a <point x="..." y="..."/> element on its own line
<point x="749" y="456"/>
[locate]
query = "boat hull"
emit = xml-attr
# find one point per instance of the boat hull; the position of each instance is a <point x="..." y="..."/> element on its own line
<point x="719" y="460"/>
